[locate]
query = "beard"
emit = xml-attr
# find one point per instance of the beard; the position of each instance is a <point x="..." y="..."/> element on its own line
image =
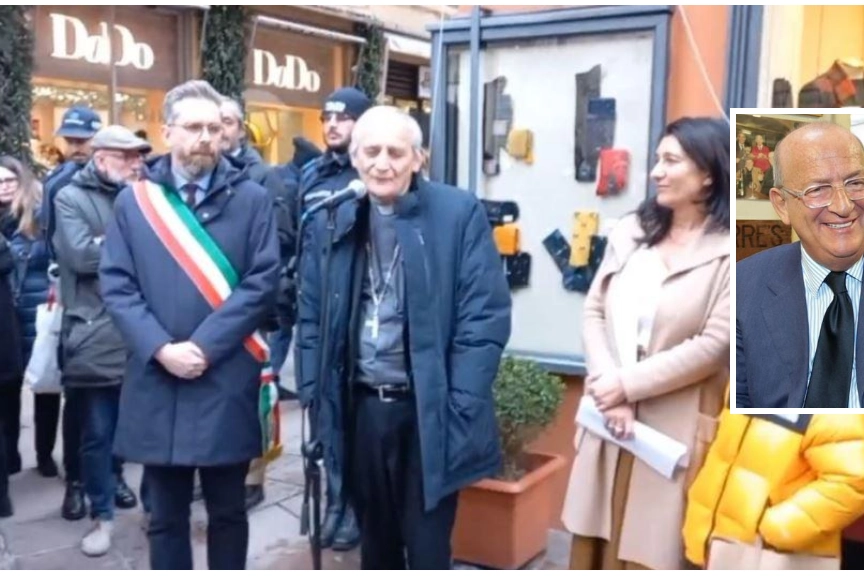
<point x="198" y="162"/>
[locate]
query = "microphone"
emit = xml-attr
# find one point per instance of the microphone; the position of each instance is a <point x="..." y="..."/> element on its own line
<point x="354" y="191"/>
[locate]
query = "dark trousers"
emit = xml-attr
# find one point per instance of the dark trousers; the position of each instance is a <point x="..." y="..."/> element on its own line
<point x="388" y="486"/>
<point x="72" y="416"/>
<point x="10" y="415"/>
<point x="170" y="495"/>
<point x="46" y="414"/>
<point x="4" y="467"/>
<point x="98" y="417"/>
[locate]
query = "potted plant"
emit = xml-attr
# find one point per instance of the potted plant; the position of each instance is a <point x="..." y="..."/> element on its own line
<point x="502" y="522"/>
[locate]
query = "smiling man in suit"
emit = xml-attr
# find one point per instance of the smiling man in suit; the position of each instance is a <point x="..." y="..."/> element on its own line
<point x="798" y="304"/>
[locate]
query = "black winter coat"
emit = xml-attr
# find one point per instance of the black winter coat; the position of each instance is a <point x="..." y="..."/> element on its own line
<point x="11" y="362"/>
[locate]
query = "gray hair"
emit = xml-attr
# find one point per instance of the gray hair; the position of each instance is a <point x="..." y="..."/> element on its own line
<point x="191" y="89"/>
<point x="378" y="115"/>
<point x="233" y="106"/>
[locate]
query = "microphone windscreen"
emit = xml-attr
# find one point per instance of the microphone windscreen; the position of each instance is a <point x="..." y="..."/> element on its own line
<point x="358" y="188"/>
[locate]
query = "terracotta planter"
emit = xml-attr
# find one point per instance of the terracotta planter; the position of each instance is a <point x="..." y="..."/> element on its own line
<point x="504" y="524"/>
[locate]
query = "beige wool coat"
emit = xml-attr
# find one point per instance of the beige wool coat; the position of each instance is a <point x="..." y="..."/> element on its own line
<point x="678" y="389"/>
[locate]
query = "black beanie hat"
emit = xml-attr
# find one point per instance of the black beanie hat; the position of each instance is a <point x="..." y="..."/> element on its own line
<point x="350" y="101"/>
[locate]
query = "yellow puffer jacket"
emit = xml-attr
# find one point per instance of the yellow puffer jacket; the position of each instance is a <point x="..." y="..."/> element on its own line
<point x="797" y="491"/>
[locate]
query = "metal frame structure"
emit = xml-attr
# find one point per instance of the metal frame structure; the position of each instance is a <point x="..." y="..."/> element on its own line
<point x="480" y="30"/>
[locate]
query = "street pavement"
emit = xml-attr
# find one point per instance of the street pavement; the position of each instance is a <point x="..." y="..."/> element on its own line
<point x="37" y="538"/>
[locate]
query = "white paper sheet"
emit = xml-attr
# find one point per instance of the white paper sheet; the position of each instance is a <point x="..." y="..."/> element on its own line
<point x="660" y="452"/>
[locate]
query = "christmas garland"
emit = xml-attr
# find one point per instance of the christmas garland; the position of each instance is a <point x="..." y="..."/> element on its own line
<point x="223" y="56"/>
<point x="16" y="83"/>
<point x="371" y="60"/>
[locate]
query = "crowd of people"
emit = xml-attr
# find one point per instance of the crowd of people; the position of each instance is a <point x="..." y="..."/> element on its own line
<point x="184" y="277"/>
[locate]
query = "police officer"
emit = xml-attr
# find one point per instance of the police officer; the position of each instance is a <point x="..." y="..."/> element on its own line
<point x="77" y="128"/>
<point x="332" y="171"/>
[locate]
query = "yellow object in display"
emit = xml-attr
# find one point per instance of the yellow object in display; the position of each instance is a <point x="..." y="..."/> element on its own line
<point x="507" y="239"/>
<point x="585" y="225"/>
<point x="520" y="145"/>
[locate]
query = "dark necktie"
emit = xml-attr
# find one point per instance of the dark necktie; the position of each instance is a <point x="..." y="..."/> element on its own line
<point x="189" y="191"/>
<point x="831" y="377"/>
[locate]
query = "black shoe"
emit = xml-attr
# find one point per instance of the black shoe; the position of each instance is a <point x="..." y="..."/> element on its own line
<point x="286" y="395"/>
<point x="332" y="518"/>
<point x="5" y="507"/>
<point x="348" y="535"/>
<point x="47" y="467"/>
<point x="124" y="498"/>
<point x="73" y="503"/>
<point x="254" y="496"/>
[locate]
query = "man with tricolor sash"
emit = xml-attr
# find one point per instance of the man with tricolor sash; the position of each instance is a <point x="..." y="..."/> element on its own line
<point x="189" y="274"/>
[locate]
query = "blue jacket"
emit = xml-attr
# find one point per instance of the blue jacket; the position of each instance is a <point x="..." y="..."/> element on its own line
<point x="30" y="283"/>
<point x="213" y="420"/>
<point x="458" y="323"/>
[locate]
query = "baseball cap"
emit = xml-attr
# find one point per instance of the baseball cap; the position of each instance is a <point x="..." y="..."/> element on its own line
<point x="116" y="137"/>
<point x="349" y="101"/>
<point x="79" y="122"/>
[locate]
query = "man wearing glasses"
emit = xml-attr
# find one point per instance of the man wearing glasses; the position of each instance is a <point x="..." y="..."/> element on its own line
<point x="93" y="357"/>
<point x="798" y="304"/>
<point x="330" y="172"/>
<point x="189" y="275"/>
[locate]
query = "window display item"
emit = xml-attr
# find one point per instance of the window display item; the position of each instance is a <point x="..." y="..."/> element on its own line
<point x="585" y="226"/>
<point x="578" y="279"/>
<point x="614" y="171"/>
<point x="520" y="145"/>
<point x="558" y="248"/>
<point x="497" y="119"/>
<point x="507" y="239"/>
<point x="840" y="86"/>
<point x="587" y="88"/>
<point x="501" y="212"/>
<point x="518" y="270"/>
<point x="600" y="134"/>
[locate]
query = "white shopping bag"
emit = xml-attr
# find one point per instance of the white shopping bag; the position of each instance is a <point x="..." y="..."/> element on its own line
<point x="43" y="373"/>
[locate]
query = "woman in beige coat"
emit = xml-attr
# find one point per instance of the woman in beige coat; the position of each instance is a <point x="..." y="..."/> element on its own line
<point x="657" y="345"/>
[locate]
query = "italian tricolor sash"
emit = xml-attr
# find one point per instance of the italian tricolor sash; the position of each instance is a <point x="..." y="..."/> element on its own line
<point x="203" y="261"/>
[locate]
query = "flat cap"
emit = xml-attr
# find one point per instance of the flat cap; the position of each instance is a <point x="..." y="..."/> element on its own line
<point x="117" y="137"/>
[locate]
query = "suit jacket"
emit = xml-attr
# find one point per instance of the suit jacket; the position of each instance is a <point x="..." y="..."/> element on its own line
<point x="771" y="332"/>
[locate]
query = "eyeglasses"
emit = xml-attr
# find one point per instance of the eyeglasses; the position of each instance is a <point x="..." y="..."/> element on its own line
<point x="197" y="129"/>
<point x="130" y="156"/>
<point x="4" y="181"/>
<point x="821" y="195"/>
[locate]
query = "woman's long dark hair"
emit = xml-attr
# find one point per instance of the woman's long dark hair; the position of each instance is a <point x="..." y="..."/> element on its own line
<point x="706" y="142"/>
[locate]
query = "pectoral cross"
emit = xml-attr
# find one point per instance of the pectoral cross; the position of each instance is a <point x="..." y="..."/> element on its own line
<point x="373" y="324"/>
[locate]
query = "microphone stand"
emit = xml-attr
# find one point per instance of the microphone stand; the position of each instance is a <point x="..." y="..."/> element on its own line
<point x="312" y="449"/>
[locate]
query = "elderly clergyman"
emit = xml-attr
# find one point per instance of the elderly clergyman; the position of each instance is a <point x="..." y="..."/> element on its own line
<point x="421" y="315"/>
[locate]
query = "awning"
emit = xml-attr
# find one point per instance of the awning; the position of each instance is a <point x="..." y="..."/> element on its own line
<point x="408" y="46"/>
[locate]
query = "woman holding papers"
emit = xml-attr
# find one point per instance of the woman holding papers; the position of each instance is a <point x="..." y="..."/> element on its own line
<point x="656" y="336"/>
<point x="795" y="482"/>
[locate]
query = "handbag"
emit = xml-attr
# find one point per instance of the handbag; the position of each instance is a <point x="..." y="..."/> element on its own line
<point x="43" y="373"/>
<point x="733" y="555"/>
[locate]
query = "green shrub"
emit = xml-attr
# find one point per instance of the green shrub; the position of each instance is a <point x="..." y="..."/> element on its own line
<point x="526" y="401"/>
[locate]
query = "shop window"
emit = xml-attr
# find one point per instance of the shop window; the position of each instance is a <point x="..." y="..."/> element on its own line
<point x="812" y="57"/>
<point x="135" y="109"/>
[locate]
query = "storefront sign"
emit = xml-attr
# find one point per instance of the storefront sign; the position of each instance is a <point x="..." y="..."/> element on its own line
<point x="290" y="69"/>
<point x="292" y="74"/>
<point x="753" y="236"/>
<point x="79" y="44"/>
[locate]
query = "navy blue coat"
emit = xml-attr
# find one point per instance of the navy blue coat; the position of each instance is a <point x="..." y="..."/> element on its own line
<point x="212" y="420"/>
<point x="30" y="284"/>
<point x="458" y="323"/>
